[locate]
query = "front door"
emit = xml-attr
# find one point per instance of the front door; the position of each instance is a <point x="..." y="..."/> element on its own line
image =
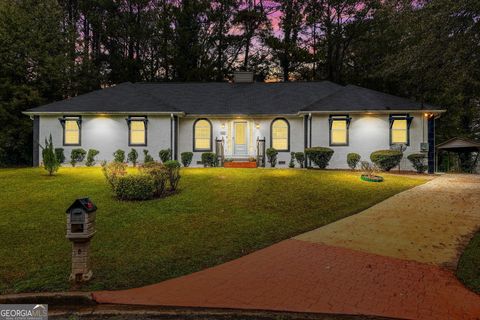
<point x="240" y="138"/>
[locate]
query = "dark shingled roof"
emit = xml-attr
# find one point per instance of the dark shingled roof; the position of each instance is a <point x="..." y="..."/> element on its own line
<point x="356" y="98"/>
<point x="230" y="98"/>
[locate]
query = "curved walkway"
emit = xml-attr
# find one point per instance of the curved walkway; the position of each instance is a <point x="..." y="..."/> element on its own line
<point x="381" y="262"/>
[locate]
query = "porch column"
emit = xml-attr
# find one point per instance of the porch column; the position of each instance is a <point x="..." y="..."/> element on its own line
<point x="431" y="144"/>
<point x="36" y="137"/>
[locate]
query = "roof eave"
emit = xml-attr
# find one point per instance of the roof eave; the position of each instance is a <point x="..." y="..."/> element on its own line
<point x="54" y="113"/>
<point x="436" y="111"/>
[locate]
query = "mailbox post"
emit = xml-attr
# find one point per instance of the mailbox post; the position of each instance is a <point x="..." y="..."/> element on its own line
<point x="80" y="230"/>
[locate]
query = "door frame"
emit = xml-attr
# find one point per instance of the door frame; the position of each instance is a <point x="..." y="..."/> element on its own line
<point x="247" y="137"/>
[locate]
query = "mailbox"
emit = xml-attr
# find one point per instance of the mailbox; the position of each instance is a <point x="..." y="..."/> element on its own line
<point x="80" y="230"/>
<point x="81" y="219"/>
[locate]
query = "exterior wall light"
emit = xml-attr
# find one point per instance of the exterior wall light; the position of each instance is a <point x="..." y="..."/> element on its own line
<point x="223" y="125"/>
<point x="257" y="125"/>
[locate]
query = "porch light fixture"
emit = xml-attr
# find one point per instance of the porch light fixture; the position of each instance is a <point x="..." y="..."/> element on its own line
<point x="257" y="125"/>
<point x="223" y="125"/>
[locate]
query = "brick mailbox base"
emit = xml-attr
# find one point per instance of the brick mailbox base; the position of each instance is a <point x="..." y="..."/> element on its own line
<point x="81" y="262"/>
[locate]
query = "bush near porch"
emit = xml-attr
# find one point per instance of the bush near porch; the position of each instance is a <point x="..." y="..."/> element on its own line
<point x="217" y="215"/>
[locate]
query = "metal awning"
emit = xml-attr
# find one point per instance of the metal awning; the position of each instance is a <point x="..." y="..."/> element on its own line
<point x="459" y="145"/>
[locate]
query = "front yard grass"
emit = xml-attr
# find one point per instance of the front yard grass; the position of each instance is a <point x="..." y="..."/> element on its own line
<point x="218" y="215"/>
<point x="468" y="270"/>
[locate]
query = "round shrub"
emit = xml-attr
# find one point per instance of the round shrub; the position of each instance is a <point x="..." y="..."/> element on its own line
<point x="386" y="159"/>
<point x="173" y="170"/>
<point x="147" y="158"/>
<point x="59" y="153"/>
<point x="92" y="153"/>
<point x="209" y="159"/>
<point x="272" y="156"/>
<point x="119" y="156"/>
<point x="418" y="161"/>
<point x="300" y="157"/>
<point x="77" y="155"/>
<point x="159" y="174"/>
<point x="133" y="157"/>
<point x="352" y="160"/>
<point x="112" y="171"/>
<point x="186" y="158"/>
<point x="165" y="155"/>
<point x="320" y="156"/>
<point x="134" y="187"/>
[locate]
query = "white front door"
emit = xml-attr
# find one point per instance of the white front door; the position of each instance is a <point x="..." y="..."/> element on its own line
<point x="240" y="147"/>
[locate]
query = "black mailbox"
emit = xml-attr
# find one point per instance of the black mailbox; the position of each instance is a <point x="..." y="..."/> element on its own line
<point x="81" y="219"/>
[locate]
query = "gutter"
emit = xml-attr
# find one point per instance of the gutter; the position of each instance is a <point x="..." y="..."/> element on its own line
<point x="436" y="112"/>
<point x="99" y="113"/>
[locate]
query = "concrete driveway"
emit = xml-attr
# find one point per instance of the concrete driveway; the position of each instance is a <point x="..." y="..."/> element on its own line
<point x="431" y="223"/>
<point x="385" y="261"/>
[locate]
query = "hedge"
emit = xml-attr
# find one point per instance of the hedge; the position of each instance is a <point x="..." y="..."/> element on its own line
<point x="320" y="156"/>
<point x="386" y="159"/>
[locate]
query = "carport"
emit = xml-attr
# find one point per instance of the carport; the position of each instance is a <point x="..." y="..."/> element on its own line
<point x="457" y="146"/>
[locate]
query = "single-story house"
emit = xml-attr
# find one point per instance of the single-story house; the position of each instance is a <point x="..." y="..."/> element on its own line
<point x="238" y="119"/>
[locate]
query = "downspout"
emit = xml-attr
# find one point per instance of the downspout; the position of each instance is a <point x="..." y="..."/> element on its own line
<point x="305" y="137"/>
<point x="36" y="144"/>
<point x="431" y="144"/>
<point x="171" y="135"/>
<point x="310" y="138"/>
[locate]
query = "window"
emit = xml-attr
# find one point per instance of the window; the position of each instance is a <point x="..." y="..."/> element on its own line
<point x="137" y="131"/>
<point x="280" y="135"/>
<point x="339" y="130"/>
<point x="399" y="129"/>
<point x="202" y="135"/>
<point x="71" y="130"/>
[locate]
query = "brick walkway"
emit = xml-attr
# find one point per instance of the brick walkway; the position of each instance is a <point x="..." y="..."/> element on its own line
<point x="381" y="262"/>
<point x="300" y="276"/>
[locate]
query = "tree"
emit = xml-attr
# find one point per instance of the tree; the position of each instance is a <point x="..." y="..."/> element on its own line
<point x="286" y="47"/>
<point x="32" y="70"/>
<point x="50" y="162"/>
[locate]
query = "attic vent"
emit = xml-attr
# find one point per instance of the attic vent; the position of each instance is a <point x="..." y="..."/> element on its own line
<point x="243" y="77"/>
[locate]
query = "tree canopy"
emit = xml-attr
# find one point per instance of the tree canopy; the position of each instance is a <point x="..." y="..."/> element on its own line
<point x="427" y="50"/>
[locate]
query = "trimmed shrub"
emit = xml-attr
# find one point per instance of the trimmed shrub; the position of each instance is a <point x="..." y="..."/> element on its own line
<point x="386" y="159"/>
<point x="173" y="169"/>
<point x="147" y="158"/>
<point x="320" y="156"/>
<point x="186" y="158"/>
<point x="134" y="187"/>
<point x="133" y="157"/>
<point x="272" y="156"/>
<point x="60" y="155"/>
<point x="112" y="171"/>
<point x="159" y="174"/>
<point x="300" y="157"/>
<point x="353" y="159"/>
<point x="50" y="162"/>
<point x="209" y="159"/>
<point x="91" y="157"/>
<point x="291" y="164"/>
<point x="119" y="156"/>
<point x="165" y="155"/>
<point x="77" y="155"/>
<point x="418" y="162"/>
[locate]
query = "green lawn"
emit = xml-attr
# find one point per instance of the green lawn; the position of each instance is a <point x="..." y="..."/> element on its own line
<point x="218" y="215"/>
<point x="468" y="270"/>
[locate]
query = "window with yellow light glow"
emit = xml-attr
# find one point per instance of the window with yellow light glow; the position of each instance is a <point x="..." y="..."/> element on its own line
<point x="280" y="135"/>
<point x="339" y="130"/>
<point x="71" y="131"/>
<point x="202" y="135"/>
<point x="399" y="131"/>
<point x="138" y="132"/>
